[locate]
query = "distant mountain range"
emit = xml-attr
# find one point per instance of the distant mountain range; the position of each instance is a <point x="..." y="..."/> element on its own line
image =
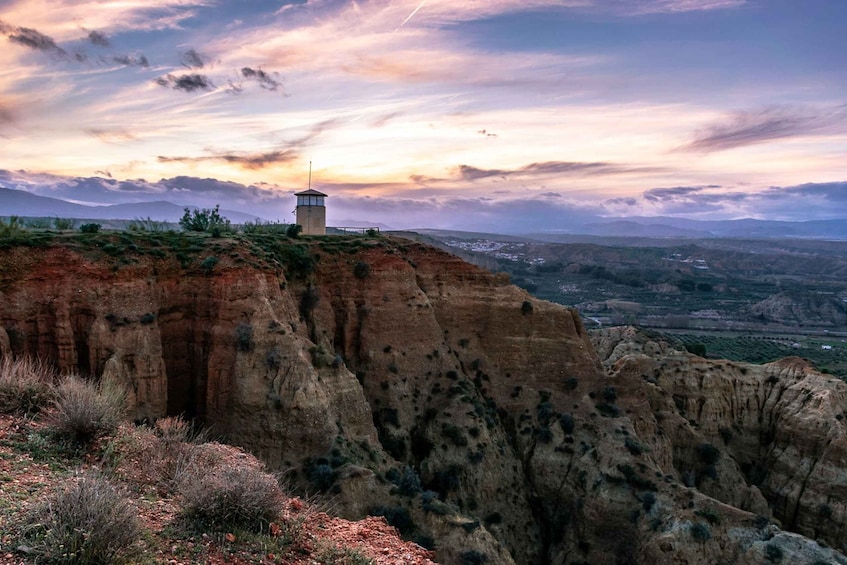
<point x="25" y="204"/>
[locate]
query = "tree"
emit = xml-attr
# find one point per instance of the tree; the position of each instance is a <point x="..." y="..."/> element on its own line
<point x="204" y="220"/>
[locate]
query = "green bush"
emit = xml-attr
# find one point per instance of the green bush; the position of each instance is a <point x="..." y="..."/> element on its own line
<point x="14" y="226"/>
<point x="63" y="223"/>
<point x="204" y="220"/>
<point x="293" y="230"/>
<point x="526" y="307"/>
<point x="83" y="411"/>
<point x="87" y="522"/>
<point x="26" y="385"/>
<point x="90" y="228"/>
<point x="229" y="496"/>
<point x="209" y="263"/>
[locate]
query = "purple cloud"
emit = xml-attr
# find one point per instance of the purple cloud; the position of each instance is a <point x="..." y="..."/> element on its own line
<point x="752" y="127"/>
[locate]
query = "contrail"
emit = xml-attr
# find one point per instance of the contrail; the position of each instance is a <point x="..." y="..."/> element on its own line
<point x="412" y="14"/>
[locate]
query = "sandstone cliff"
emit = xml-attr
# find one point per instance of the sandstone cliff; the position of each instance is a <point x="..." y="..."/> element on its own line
<point x="405" y="382"/>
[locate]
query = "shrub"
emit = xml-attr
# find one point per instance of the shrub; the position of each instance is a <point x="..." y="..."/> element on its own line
<point x="647" y="501"/>
<point x="473" y="557"/>
<point x="244" y="337"/>
<point x="12" y="227"/>
<point x="708" y="453"/>
<point x="361" y="270"/>
<point x="332" y="554"/>
<point x="83" y="411"/>
<point x="90" y="228"/>
<point x="396" y="516"/>
<point x="322" y="476"/>
<point x="209" y="263"/>
<point x="567" y="422"/>
<point x="148" y="318"/>
<point x="409" y="483"/>
<point x="454" y="434"/>
<point x="773" y="553"/>
<point x="63" y="223"/>
<point x="147" y="224"/>
<point x="229" y="496"/>
<point x="26" y="385"/>
<point x="204" y="220"/>
<point x="86" y="521"/>
<point x="608" y="410"/>
<point x="526" y="307"/>
<point x="293" y="230"/>
<point x="709" y="514"/>
<point x="701" y="532"/>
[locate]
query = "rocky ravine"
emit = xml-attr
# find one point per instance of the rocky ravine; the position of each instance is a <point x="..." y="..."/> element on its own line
<point x="406" y="382"/>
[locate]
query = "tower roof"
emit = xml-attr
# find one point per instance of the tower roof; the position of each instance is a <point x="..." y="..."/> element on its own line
<point x="310" y="192"/>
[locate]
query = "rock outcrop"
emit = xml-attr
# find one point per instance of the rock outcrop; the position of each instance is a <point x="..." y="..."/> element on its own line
<point x="410" y="384"/>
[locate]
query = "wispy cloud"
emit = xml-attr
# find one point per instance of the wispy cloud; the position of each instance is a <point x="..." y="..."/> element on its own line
<point x="111" y="135"/>
<point x="286" y="152"/>
<point x="245" y="160"/>
<point x="63" y="18"/>
<point x="31" y="38"/>
<point x="675" y="193"/>
<point x="98" y="39"/>
<point x="557" y="168"/>
<point x="264" y="79"/>
<point x="760" y="126"/>
<point x="191" y="82"/>
<point x="193" y="60"/>
<point x="139" y="60"/>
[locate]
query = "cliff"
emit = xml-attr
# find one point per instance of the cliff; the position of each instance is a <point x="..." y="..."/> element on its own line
<point x="407" y="383"/>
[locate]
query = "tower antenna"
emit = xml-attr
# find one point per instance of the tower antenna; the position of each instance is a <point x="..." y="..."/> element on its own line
<point x="310" y="175"/>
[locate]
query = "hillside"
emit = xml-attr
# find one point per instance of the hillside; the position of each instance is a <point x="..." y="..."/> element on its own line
<point x="721" y="284"/>
<point x="403" y="382"/>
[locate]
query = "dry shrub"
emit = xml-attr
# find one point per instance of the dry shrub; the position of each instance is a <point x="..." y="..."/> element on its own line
<point x="229" y="496"/>
<point x="84" y="411"/>
<point x="87" y="521"/>
<point x="157" y="456"/>
<point x="26" y="385"/>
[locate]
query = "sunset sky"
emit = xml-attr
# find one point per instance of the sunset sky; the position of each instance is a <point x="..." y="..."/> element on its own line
<point x="499" y="114"/>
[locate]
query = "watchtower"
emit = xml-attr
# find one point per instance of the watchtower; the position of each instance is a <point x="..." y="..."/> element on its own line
<point x="311" y="212"/>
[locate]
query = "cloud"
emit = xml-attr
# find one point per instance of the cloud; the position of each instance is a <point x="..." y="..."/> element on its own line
<point x="186" y="82"/>
<point x="132" y="60"/>
<point x="193" y="60"/>
<point x="644" y="7"/>
<point x="285" y="153"/>
<point x="32" y="38"/>
<point x="63" y="18"/>
<point x="792" y="203"/>
<point x="469" y="173"/>
<point x="264" y="79"/>
<point x="759" y="126"/>
<point x="673" y="193"/>
<point x="98" y="39"/>
<point x="111" y="135"/>
<point x="244" y="160"/>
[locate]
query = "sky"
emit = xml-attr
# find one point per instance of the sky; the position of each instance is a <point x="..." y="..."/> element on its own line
<point x="505" y="115"/>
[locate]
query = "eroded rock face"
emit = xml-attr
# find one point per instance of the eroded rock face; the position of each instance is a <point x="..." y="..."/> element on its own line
<point x="763" y="438"/>
<point x="411" y="384"/>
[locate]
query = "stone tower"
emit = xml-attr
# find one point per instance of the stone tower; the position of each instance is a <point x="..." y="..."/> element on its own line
<point x="311" y="212"/>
